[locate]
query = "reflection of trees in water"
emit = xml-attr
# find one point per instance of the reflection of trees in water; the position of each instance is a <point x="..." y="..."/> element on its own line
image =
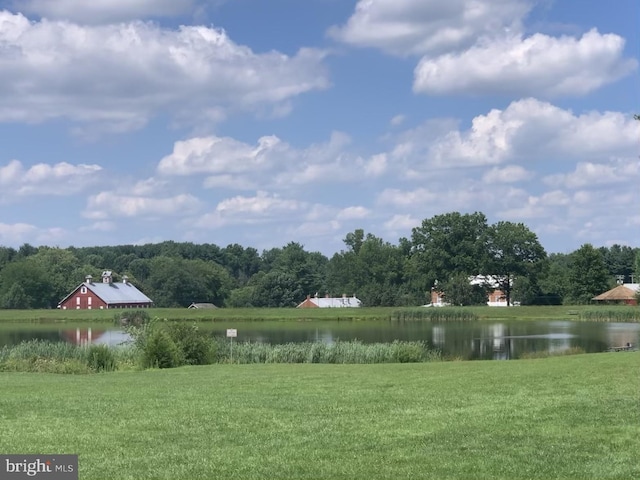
<point x="467" y="340"/>
<point x="14" y="337"/>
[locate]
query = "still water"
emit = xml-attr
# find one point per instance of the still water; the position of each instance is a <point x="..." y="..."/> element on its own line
<point x="498" y="340"/>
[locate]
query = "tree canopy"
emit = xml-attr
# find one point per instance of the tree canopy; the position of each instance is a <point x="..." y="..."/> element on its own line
<point x="445" y="250"/>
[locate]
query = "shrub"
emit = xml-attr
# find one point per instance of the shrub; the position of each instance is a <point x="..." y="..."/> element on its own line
<point x="132" y="317"/>
<point x="160" y="351"/>
<point x="195" y="348"/>
<point x="100" y="358"/>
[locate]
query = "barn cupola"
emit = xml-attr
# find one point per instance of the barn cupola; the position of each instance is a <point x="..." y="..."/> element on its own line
<point x="125" y="279"/>
<point x="107" y="277"/>
<point x="88" y="279"/>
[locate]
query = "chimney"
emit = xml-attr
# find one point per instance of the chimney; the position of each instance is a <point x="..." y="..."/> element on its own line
<point x="344" y="295"/>
<point x="88" y="279"/>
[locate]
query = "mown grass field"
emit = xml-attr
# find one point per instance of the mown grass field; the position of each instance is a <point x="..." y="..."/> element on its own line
<point x="575" y="417"/>
<point x="292" y="314"/>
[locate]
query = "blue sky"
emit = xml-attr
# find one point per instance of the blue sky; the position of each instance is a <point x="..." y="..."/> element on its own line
<point x="261" y="123"/>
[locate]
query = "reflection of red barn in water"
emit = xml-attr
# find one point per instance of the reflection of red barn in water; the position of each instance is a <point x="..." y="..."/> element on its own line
<point x="82" y="336"/>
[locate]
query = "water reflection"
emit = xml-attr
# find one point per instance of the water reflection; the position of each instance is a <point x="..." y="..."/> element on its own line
<point x="497" y="340"/>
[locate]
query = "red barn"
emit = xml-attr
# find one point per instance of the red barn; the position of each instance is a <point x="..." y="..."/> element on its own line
<point x="107" y="294"/>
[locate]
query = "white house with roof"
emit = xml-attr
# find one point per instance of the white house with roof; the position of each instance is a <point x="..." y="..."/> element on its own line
<point x="330" y="302"/>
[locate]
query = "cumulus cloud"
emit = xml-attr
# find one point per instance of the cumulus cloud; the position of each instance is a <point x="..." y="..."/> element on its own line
<point x="103" y="11"/>
<point x="416" y="27"/>
<point x="264" y="207"/>
<point x="507" y="174"/>
<point x="528" y="130"/>
<point x="593" y="174"/>
<point x="107" y="205"/>
<point x="44" y="179"/>
<point x="122" y="75"/>
<point x="539" y="64"/>
<point x="271" y="162"/>
<point x="353" y="213"/>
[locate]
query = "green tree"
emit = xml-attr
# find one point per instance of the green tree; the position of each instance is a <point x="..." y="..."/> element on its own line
<point x="446" y="245"/>
<point x="513" y="251"/>
<point x="458" y="290"/>
<point x="26" y="281"/>
<point x="554" y="281"/>
<point x="588" y="274"/>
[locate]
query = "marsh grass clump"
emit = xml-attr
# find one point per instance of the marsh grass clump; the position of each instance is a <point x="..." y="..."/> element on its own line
<point x="100" y="358"/>
<point x="434" y="314"/>
<point x="351" y="352"/>
<point x="622" y="315"/>
<point x="547" y="354"/>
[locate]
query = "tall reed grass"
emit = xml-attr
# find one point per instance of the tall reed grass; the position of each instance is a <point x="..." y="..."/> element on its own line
<point x="434" y="314"/>
<point x="62" y="357"/>
<point x="45" y="356"/>
<point x="630" y="315"/>
<point x="319" y="352"/>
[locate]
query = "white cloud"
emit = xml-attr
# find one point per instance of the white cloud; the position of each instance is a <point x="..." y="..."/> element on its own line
<point x="537" y="65"/>
<point x="219" y="156"/>
<point x="402" y="198"/>
<point x="106" y="205"/>
<point x="104" y="11"/>
<point x="353" y="213"/>
<point x="16" y="233"/>
<point x="401" y="222"/>
<point x="270" y="163"/>
<point x="397" y="120"/>
<point x="589" y="174"/>
<point x="121" y="75"/>
<point x="43" y="179"/>
<point x="261" y="208"/>
<point x="415" y="27"/>
<point x="529" y="130"/>
<point x="507" y="174"/>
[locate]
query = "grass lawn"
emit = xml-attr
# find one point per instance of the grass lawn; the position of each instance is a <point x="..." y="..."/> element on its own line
<point x="566" y="417"/>
<point x="292" y="314"/>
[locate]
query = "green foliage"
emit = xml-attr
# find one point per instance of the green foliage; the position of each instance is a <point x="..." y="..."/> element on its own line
<point x="459" y="291"/>
<point x="547" y="353"/>
<point x="195" y="347"/>
<point x="627" y="314"/>
<point x="513" y="252"/>
<point x="379" y="273"/>
<point x="434" y="314"/>
<point x="588" y="275"/>
<point x="133" y="317"/>
<point x="100" y="358"/>
<point x="319" y="352"/>
<point x="446" y="245"/>
<point x="160" y="351"/>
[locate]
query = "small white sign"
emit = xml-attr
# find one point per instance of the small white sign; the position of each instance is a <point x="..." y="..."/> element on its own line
<point x="232" y="332"/>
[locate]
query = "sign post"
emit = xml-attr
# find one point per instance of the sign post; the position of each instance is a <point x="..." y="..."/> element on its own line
<point x="231" y="334"/>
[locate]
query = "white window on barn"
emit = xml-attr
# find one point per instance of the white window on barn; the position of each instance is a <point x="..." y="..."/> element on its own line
<point x="83" y="290"/>
<point x="89" y="300"/>
<point x="77" y="300"/>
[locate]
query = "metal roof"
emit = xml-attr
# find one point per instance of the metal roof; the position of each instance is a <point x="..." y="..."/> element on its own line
<point x="336" y="302"/>
<point x="114" y="293"/>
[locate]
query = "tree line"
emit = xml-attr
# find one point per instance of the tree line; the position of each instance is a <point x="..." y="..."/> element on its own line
<point x="442" y="253"/>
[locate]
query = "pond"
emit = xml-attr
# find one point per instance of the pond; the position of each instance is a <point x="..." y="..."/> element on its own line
<point x="498" y="340"/>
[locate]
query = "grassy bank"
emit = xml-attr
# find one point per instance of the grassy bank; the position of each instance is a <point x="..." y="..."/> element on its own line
<point x="570" y="417"/>
<point x="346" y="314"/>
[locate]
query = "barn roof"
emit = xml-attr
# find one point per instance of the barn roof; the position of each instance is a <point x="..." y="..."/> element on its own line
<point x="627" y="291"/>
<point x="113" y="293"/>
